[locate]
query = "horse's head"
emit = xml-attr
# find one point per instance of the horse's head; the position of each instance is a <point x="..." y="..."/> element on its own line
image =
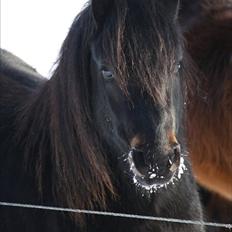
<point x="114" y="103"/>
<point x="136" y="88"/>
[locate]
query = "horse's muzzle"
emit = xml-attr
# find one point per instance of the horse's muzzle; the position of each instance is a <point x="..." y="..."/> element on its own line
<point x="151" y="169"/>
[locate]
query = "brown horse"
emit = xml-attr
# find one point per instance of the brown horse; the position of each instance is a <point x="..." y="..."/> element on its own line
<point x="210" y="108"/>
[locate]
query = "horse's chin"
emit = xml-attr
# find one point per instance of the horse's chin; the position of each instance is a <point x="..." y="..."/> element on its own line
<point x="152" y="179"/>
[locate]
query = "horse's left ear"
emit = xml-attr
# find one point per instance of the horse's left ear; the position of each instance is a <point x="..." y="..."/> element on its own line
<point x="100" y="9"/>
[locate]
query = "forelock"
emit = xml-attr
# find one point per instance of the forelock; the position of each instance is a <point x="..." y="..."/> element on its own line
<point x="141" y="44"/>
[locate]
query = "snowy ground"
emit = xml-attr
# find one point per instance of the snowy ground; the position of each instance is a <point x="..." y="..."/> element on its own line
<point x="34" y="30"/>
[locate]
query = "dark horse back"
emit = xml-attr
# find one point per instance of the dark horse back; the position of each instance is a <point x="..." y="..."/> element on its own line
<point x="18" y="83"/>
<point x="15" y="69"/>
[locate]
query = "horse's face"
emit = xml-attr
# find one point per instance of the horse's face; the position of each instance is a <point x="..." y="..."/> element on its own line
<point x="138" y="125"/>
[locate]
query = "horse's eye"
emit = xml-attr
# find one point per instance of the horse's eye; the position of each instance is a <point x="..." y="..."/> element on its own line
<point x="108" y="75"/>
<point x="178" y="67"/>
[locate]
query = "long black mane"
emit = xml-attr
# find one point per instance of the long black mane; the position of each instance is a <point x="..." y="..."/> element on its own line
<point x="65" y="128"/>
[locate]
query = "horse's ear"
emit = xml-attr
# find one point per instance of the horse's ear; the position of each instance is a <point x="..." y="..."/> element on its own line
<point x="190" y="12"/>
<point x="100" y="9"/>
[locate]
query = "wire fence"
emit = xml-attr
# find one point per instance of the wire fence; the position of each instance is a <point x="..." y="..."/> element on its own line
<point x="112" y="214"/>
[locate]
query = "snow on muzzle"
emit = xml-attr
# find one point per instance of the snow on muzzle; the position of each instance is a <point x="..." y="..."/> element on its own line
<point x="152" y="170"/>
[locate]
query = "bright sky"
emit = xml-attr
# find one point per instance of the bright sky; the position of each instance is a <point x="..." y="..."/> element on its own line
<point x="35" y="29"/>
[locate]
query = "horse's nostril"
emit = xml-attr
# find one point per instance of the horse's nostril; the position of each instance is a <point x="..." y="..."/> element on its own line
<point x="174" y="157"/>
<point x="139" y="160"/>
<point x="176" y="149"/>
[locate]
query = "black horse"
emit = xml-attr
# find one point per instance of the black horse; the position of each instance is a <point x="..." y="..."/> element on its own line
<point x="102" y="132"/>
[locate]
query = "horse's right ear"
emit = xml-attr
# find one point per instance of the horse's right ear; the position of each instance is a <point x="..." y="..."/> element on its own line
<point x="100" y="9"/>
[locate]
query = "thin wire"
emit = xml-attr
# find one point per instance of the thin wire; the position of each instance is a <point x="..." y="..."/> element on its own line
<point x="112" y="214"/>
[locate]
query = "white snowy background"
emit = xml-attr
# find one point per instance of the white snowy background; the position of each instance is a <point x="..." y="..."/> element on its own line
<point x="35" y="29"/>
